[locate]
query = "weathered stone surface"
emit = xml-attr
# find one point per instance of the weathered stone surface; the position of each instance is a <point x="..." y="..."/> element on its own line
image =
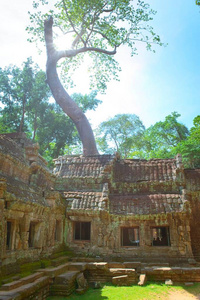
<point x="142" y="279"/>
<point x="168" y="282"/>
<point x="120" y="280"/>
<point x="120" y="207"/>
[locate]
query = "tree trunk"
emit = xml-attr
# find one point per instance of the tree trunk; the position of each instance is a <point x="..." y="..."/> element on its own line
<point x="62" y="97"/>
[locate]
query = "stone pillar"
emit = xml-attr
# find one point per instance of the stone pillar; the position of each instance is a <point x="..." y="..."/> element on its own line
<point x="25" y="223"/>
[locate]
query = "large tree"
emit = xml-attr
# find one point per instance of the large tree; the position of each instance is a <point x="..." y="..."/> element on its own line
<point x="123" y="134"/>
<point x="161" y="138"/>
<point x="23" y="91"/>
<point x="25" y="107"/>
<point x="95" y="27"/>
<point x="190" y="147"/>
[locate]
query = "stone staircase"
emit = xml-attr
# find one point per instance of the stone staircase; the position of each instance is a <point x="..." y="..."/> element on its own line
<point x="64" y="284"/>
<point x="62" y="280"/>
<point x="35" y="286"/>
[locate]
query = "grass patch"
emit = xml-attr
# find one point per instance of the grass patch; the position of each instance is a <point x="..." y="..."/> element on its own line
<point x="151" y="291"/>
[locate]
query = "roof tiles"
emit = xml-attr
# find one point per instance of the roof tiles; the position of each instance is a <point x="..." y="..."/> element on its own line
<point x="80" y="166"/>
<point x="146" y="204"/>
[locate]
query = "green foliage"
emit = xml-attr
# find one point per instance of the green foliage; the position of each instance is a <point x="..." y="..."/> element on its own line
<point x="162" y="138"/>
<point x="127" y="135"/>
<point x="190" y="148"/>
<point x="96" y="27"/>
<point x="123" y="133"/>
<point x="26" y="107"/>
<point x="22" y="93"/>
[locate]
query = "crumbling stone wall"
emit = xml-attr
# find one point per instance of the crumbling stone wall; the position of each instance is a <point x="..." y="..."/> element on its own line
<point x="31" y="211"/>
<point x="192" y="178"/>
<point x="112" y="194"/>
<point x="91" y="203"/>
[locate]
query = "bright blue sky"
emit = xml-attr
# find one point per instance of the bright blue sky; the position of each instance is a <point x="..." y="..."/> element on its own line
<point x="151" y="85"/>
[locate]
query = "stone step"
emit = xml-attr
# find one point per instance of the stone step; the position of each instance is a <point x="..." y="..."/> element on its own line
<point x="121" y="280"/>
<point x="59" y="261"/>
<point x="97" y="266"/>
<point x="77" y="266"/>
<point x="64" y="284"/>
<point x="122" y="271"/>
<point x="66" y="277"/>
<point x="40" y="285"/>
<point x="53" y="272"/>
<point x="17" y="283"/>
<point x="123" y="276"/>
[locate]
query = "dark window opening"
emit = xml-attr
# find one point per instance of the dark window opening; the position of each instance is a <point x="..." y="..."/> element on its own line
<point x="58" y="231"/>
<point x="130" y="236"/>
<point x="160" y="236"/>
<point x="82" y="231"/>
<point x="31" y="234"/>
<point x="9" y="236"/>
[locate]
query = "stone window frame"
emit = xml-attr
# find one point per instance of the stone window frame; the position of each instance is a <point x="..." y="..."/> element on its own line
<point x="159" y="243"/>
<point x="75" y="223"/>
<point x="34" y="239"/>
<point x="135" y="243"/>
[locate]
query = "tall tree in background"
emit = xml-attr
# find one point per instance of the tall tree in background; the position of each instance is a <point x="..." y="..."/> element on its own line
<point x="123" y="134"/>
<point x="22" y="92"/>
<point x="96" y="27"/>
<point x="190" y="147"/>
<point x="126" y="134"/>
<point x="25" y="107"/>
<point x="161" y="138"/>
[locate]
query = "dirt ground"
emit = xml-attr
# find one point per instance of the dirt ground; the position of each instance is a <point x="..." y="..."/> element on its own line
<point x="180" y="295"/>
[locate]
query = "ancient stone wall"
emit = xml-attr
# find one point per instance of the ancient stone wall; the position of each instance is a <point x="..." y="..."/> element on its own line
<point x="192" y="178"/>
<point x="101" y="206"/>
<point x="126" y="197"/>
<point x="32" y="213"/>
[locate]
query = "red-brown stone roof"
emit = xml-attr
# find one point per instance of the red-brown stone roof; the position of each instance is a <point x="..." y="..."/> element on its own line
<point x="132" y="170"/>
<point x="85" y="201"/>
<point x="146" y="204"/>
<point x="21" y="191"/>
<point x="81" y="166"/>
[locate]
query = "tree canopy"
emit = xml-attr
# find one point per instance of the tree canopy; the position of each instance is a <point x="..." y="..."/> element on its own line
<point x="126" y="134"/>
<point x="123" y="133"/>
<point x="161" y="138"/>
<point x="25" y="106"/>
<point x="95" y="27"/>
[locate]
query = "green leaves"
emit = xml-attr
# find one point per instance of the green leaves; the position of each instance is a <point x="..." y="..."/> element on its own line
<point x="100" y="26"/>
<point x="25" y="106"/>
<point x="127" y="135"/>
<point x="122" y="133"/>
<point x="190" y="147"/>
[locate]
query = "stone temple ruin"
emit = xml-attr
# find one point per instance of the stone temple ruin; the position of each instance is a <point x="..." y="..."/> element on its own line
<point x="122" y="218"/>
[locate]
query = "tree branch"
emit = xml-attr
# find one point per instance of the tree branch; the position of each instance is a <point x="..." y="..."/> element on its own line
<point x="72" y="24"/>
<point x="78" y="37"/>
<point x="109" y="10"/>
<point x="103" y="35"/>
<point x="74" y="52"/>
